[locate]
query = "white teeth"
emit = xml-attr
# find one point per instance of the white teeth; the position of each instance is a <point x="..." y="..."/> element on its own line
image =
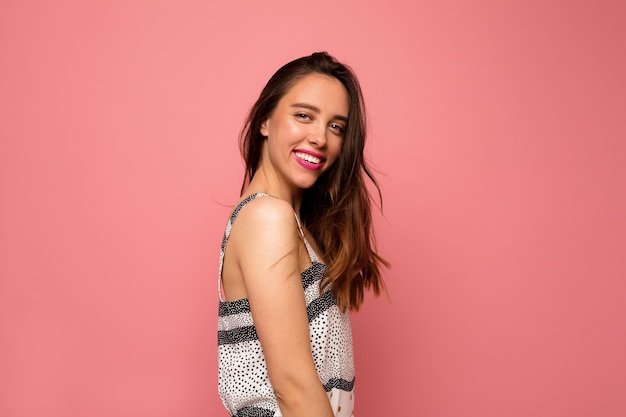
<point x="309" y="158"/>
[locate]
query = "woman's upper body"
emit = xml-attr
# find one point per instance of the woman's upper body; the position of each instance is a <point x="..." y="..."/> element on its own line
<point x="303" y="144"/>
<point x="247" y="351"/>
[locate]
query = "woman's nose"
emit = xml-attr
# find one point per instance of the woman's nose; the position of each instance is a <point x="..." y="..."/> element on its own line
<point x="317" y="137"/>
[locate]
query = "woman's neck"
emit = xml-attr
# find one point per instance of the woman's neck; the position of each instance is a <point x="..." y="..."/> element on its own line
<point x="263" y="182"/>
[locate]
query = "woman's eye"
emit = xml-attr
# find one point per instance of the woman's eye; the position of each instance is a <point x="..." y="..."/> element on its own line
<point x="337" y="128"/>
<point x="302" y="116"/>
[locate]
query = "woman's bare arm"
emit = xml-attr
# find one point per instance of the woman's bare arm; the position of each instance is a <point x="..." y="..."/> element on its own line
<point x="267" y="250"/>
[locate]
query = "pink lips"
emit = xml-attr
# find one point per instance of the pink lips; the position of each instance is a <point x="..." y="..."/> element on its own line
<point x="306" y="164"/>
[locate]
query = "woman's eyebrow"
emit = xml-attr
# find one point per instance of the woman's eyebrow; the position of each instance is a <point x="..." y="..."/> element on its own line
<point x="317" y="110"/>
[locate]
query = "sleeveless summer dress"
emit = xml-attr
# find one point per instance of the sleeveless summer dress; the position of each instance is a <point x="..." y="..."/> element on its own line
<point x="244" y="386"/>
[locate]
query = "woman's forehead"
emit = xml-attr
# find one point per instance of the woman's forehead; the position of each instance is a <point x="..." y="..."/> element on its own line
<point x="321" y="91"/>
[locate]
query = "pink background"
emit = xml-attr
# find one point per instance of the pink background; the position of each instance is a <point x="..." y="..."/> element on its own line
<point x="498" y="131"/>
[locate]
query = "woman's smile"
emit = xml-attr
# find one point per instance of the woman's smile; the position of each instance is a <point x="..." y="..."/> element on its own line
<point x="309" y="159"/>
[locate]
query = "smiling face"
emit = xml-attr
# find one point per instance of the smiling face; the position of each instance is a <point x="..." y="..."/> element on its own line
<point x="305" y="132"/>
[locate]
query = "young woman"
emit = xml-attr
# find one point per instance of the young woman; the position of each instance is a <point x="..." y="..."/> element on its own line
<point x="298" y="251"/>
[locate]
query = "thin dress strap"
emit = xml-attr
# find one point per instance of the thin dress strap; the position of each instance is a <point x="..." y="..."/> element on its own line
<point x="229" y="226"/>
<point x="309" y="249"/>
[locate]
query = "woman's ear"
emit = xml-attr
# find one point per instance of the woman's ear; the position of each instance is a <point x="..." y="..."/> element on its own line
<point x="265" y="127"/>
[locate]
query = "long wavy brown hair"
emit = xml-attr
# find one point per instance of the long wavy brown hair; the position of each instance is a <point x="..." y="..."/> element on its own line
<point x="337" y="209"/>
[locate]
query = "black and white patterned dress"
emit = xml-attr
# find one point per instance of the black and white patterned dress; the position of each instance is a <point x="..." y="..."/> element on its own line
<point x="244" y="385"/>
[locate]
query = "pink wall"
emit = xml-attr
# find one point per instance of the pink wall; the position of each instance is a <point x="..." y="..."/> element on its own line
<point x="499" y="131"/>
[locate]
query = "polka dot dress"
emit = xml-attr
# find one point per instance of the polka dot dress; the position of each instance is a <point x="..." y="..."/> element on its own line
<point x="244" y="385"/>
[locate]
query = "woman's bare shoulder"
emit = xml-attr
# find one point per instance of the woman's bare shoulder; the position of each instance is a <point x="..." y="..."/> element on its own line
<point x="265" y="224"/>
<point x="266" y="209"/>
